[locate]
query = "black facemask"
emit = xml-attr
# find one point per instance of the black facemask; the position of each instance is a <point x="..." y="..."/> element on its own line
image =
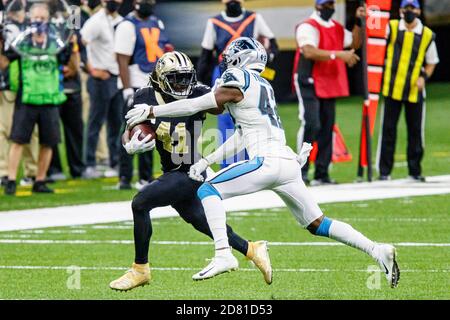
<point x="144" y="10"/>
<point x="409" y="16"/>
<point x="326" y="13"/>
<point x="234" y="9"/>
<point x="112" y="6"/>
<point x="93" y="3"/>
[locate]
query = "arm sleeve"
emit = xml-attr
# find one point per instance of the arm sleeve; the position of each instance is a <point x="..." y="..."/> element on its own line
<point x="261" y="28"/>
<point x="431" y="56"/>
<point x="274" y="47"/>
<point x="348" y="38"/>
<point x="229" y="148"/>
<point x="11" y="55"/>
<point x="125" y="39"/>
<point x="162" y="27"/>
<point x="388" y="32"/>
<point x="209" y="37"/>
<point x="89" y="31"/>
<point x="186" y="107"/>
<point x="307" y="35"/>
<point x="204" y="65"/>
<point x="65" y="54"/>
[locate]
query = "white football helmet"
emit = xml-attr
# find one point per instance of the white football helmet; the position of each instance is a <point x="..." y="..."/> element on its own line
<point x="246" y="53"/>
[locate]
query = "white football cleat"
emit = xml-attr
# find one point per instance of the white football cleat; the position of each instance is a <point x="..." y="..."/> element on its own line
<point x="225" y="262"/>
<point x="385" y="257"/>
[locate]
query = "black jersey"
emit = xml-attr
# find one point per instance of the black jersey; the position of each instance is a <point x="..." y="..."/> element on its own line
<point x="176" y="137"/>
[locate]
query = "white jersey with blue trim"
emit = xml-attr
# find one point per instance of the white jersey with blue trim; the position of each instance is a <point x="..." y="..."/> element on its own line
<point x="255" y="117"/>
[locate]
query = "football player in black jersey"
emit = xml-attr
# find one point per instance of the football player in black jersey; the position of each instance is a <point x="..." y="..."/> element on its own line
<point x="174" y="78"/>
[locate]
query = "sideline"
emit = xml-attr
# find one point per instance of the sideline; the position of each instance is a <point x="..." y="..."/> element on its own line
<point x="121" y="211"/>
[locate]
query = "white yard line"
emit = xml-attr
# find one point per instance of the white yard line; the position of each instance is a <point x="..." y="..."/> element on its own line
<point x="265" y="216"/>
<point x="196" y="269"/>
<point x="206" y="243"/>
<point x="121" y="211"/>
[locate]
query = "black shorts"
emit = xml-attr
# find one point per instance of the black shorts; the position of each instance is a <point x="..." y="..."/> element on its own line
<point x="26" y="117"/>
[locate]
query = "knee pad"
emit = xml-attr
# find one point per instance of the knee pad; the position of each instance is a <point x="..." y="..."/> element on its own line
<point x="324" y="227"/>
<point x="207" y="190"/>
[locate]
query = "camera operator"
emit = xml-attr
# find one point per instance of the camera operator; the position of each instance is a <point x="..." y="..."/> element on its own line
<point x="38" y="97"/>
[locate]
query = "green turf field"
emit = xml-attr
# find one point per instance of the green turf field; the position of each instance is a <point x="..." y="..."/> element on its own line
<point x="301" y="272"/>
<point x="436" y="160"/>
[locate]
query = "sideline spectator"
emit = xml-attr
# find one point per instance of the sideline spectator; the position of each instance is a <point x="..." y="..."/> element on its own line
<point x="410" y="61"/>
<point x="89" y="8"/>
<point x="71" y="118"/>
<point x="39" y="95"/>
<point x="105" y="98"/>
<point x="8" y="90"/>
<point x="320" y="78"/>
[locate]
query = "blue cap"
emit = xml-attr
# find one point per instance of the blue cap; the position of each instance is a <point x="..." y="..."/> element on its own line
<point x="320" y="2"/>
<point x="414" y="3"/>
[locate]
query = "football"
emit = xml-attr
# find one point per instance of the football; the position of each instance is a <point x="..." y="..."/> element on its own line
<point x="146" y="129"/>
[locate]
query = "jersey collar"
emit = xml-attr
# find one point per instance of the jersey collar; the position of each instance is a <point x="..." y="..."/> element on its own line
<point x="159" y="98"/>
<point x="417" y="29"/>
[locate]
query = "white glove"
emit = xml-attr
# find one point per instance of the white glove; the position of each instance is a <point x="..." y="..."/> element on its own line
<point x="139" y="146"/>
<point x="137" y="115"/>
<point x="196" y="170"/>
<point x="304" y="153"/>
<point x="127" y="94"/>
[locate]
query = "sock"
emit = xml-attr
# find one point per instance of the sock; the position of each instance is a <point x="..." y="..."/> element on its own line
<point x="345" y="234"/>
<point x="216" y="216"/>
<point x="142" y="232"/>
<point x="236" y="242"/>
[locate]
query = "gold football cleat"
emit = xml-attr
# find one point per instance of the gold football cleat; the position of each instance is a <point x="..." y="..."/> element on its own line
<point x="138" y="275"/>
<point x="259" y="254"/>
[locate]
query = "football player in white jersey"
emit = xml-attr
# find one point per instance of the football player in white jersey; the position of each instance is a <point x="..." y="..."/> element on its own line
<point x="272" y="165"/>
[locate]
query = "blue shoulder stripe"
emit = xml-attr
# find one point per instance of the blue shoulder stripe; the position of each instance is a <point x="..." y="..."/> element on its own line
<point x="247" y="80"/>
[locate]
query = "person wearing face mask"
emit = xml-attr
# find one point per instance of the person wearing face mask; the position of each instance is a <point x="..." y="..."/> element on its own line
<point x="92" y="6"/>
<point x="8" y="90"/>
<point x="140" y="40"/>
<point x="220" y="31"/>
<point x="105" y="98"/>
<point x="71" y="111"/>
<point x="39" y="95"/>
<point x="411" y="58"/>
<point x="320" y="76"/>
<point x="89" y="8"/>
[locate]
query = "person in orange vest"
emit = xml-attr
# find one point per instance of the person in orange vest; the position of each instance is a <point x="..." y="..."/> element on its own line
<point x="320" y="76"/>
<point x="220" y="31"/>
